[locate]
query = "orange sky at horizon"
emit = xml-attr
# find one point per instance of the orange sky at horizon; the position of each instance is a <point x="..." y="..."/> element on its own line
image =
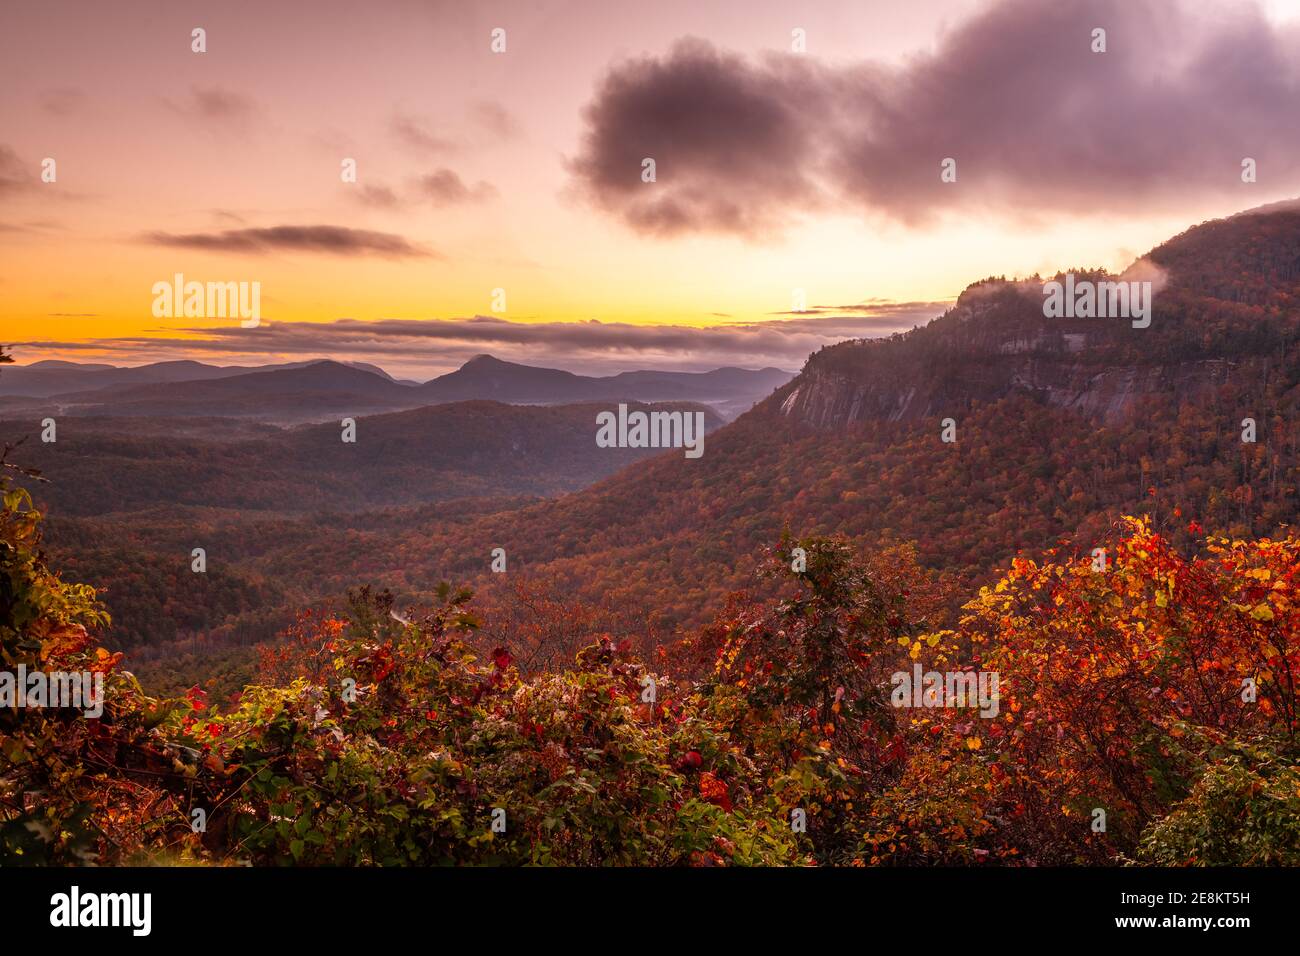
<point x="151" y="138"/>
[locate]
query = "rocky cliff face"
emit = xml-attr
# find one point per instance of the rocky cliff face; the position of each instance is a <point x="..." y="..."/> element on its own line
<point x="1211" y="326"/>
<point x="832" y="400"/>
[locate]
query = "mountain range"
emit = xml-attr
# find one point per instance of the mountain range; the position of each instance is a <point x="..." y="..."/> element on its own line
<point x="55" y="377"/>
<point x="325" y="389"/>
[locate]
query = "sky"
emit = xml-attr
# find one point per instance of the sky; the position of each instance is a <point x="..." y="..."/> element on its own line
<point x="500" y="202"/>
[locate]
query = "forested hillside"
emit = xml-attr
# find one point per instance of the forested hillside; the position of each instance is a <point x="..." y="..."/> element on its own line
<point x="1061" y="428"/>
<point x="1156" y="697"/>
<point x="458" y="450"/>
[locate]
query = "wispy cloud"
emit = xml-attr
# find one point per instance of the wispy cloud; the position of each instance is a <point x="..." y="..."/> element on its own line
<point x="495" y="119"/>
<point x="62" y="101"/>
<point x="445" y="188"/>
<point x="370" y="194"/>
<point x="215" y="104"/>
<point x="15" y="176"/>
<point x="430" y="346"/>
<point x="332" y="240"/>
<point x="414" y="132"/>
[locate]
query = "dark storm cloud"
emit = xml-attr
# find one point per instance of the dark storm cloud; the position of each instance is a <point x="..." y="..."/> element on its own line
<point x="1037" y="122"/>
<point x="733" y="142"/>
<point x="335" y="240"/>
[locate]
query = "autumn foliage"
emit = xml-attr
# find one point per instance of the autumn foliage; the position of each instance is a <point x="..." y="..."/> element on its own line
<point x="1157" y="687"/>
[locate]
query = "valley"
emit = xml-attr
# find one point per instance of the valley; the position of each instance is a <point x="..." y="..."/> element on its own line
<point x="1064" y="426"/>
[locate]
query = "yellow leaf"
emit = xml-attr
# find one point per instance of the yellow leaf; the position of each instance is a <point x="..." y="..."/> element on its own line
<point x="1262" y="612"/>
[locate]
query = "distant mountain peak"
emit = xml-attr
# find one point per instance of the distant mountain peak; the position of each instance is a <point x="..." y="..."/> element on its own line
<point x="61" y="364"/>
